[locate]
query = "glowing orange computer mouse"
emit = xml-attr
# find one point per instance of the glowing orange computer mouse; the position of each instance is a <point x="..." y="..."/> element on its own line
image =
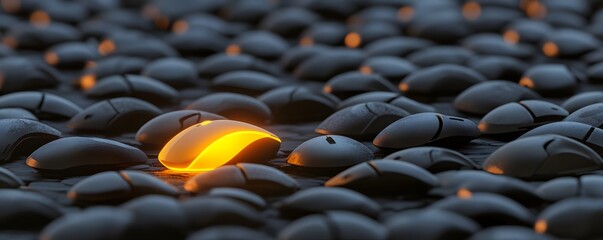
<point x="210" y="144"/>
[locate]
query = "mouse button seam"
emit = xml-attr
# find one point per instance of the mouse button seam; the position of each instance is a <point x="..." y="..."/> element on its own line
<point x="371" y="164"/>
<point x="332" y="226"/>
<point x="243" y="171"/>
<point x="590" y="132"/>
<point x="41" y="103"/>
<point x="529" y="110"/>
<point x="127" y="179"/>
<point x="129" y="85"/>
<point x="440" y="127"/>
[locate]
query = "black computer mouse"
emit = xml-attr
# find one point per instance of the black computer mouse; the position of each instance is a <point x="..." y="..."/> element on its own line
<point x="176" y="72"/>
<point x="486" y="17"/>
<point x="447" y="27"/>
<point x="159" y="130"/>
<point x="325" y="199"/>
<point x="220" y="63"/>
<point x="495" y="44"/>
<point x="573" y="218"/>
<point x="135" y="44"/>
<point x="293" y="104"/>
<point x="109" y="66"/>
<point x="240" y="195"/>
<point x="296" y="55"/>
<point x="135" y="86"/>
<point x="156" y="217"/>
<point x="395" y="99"/>
<point x="542" y="157"/>
<point x="19" y="74"/>
<point x="331" y="151"/>
<point x="365" y="32"/>
<point x="203" y="212"/>
<point x="208" y="21"/>
<point x="325" y="33"/>
<point x="114" y="116"/>
<point x="327" y="64"/>
<point x="426" y="128"/>
<point x="483" y="97"/>
<point x="386" y="176"/>
<point x="549" y="79"/>
<point x="581" y="100"/>
<point x="498" y="67"/>
<point x="228" y="232"/>
<point x="557" y="189"/>
<point x="389" y="67"/>
<point x="397" y="46"/>
<point x="247" y="12"/>
<point x="82" y="155"/>
<point x="71" y="55"/>
<point x="520" y="116"/>
<point x="23" y="136"/>
<point x="197" y="42"/>
<point x="289" y="22"/>
<point x="348" y="84"/>
<point x="442" y="225"/>
<point x="117" y="187"/>
<point x="434" y="159"/>
<point x="7" y="113"/>
<point x="590" y="115"/>
<point x="584" y="133"/>
<point x="43" y="105"/>
<point x="257" y="178"/>
<point x="569" y="43"/>
<point x="509" y="232"/>
<point x="361" y="121"/>
<point x="27" y="211"/>
<point x="260" y="44"/>
<point x="527" y="31"/>
<point x="34" y="37"/>
<point x="77" y="224"/>
<point x="9" y="179"/>
<point x="345" y="225"/>
<point x="245" y="82"/>
<point x="436" y="55"/>
<point x="487" y="209"/>
<point x="440" y="80"/>
<point x="234" y="106"/>
<point x="594" y="73"/>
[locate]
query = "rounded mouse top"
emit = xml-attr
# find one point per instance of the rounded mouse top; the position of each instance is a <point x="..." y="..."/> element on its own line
<point x="233" y="106"/>
<point x="392" y="98"/>
<point x="520" y="116"/>
<point x="293" y="104"/>
<point x="591" y="115"/>
<point x="245" y="82"/>
<point x="43" y="105"/>
<point x="440" y="80"/>
<point x="584" y="133"/>
<point x="329" y="151"/>
<point x="210" y="144"/>
<point x="549" y="79"/>
<point x="8" y="113"/>
<point x="434" y="159"/>
<point x="484" y="97"/>
<point x="159" y="130"/>
<point x="348" y="84"/>
<point x="136" y="86"/>
<point x="581" y="100"/>
<point x="23" y="136"/>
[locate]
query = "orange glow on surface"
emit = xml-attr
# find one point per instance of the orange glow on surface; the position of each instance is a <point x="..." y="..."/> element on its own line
<point x="306" y="41"/>
<point x="39" y="19"/>
<point x="150" y="11"/>
<point x="511" y="37"/>
<point x="550" y="49"/>
<point x="540" y="226"/>
<point x="90" y="64"/>
<point x="526" y="82"/>
<point x="327" y="89"/>
<point x="482" y="126"/>
<point x="403" y="87"/>
<point x="535" y="9"/>
<point x="87" y="81"/>
<point x="464" y="193"/>
<point x="366" y="70"/>
<point x="202" y="148"/>
<point x="10" y="42"/>
<point x="180" y="26"/>
<point x="51" y="58"/>
<point x="405" y="13"/>
<point x="472" y="10"/>
<point x="106" y="47"/>
<point x="11" y="6"/>
<point x="353" y="40"/>
<point x="233" y="50"/>
<point x="494" y="170"/>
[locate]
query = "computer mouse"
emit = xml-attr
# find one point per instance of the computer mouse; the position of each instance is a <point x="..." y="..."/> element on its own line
<point x="330" y="151"/>
<point x="203" y="212"/>
<point x="509" y="232"/>
<point x="527" y="31"/>
<point x="440" y="80"/>
<point x="44" y="105"/>
<point x="289" y="22"/>
<point x="156" y="217"/>
<point x="437" y="55"/>
<point x="386" y="176"/>
<point x="542" y="157"/>
<point x="261" y="44"/>
<point x="498" y="67"/>
<point x="426" y="128"/>
<point x="361" y="121"/>
<point x="581" y="100"/>
<point x="159" y="130"/>
<point x="434" y="159"/>
<point x="461" y="182"/>
<point x="395" y="99"/>
<point x="365" y="32"/>
<point x="220" y="63"/>
<point x="259" y="179"/>
<point x="207" y="145"/>
<point x="23" y="136"/>
<point x="245" y="82"/>
<point x="520" y="116"/>
<point x="446" y="28"/>
<point x="327" y="64"/>
<point x="240" y="195"/>
<point x="442" y="225"/>
<point x="228" y="232"/>
<point x="20" y="74"/>
<point x="326" y="33"/>
<point x="298" y="54"/>
<point x="569" y="43"/>
<point x="197" y="42"/>
<point x="397" y="46"/>
<point x="32" y="37"/>
<point x="117" y="187"/>
<point x="135" y="86"/>
<point x="8" y="113"/>
<point x="345" y="225"/>
<point x="294" y="104"/>
<point x="389" y="67"/>
<point x="573" y="218"/>
<point x="584" y="133"/>
<point x="539" y="78"/>
<point x="77" y="224"/>
<point x="9" y="179"/>
<point x="247" y="12"/>
<point x="487" y="209"/>
<point x="233" y="106"/>
<point x="594" y="73"/>
<point x="27" y="211"/>
<point x="83" y="155"/>
<point x="109" y="66"/>
<point x="483" y="97"/>
<point x="175" y="72"/>
<point x="348" y="84"/>
<point x="71" y="55"/>
<point x="590" y="115"/>
<point x="557" y="189"/>
<point x="114" y="116"/>
<point x="323" y="199"/>
<point x="136" y="44"/>
<point x="490" y="18"/>
<point x="495" y="44"/>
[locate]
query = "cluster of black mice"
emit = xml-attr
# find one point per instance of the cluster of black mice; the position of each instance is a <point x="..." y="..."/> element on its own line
<point x="399" y="119"/>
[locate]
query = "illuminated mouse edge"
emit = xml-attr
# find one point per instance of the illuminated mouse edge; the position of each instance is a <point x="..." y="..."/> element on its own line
<point x="212" y="148"/>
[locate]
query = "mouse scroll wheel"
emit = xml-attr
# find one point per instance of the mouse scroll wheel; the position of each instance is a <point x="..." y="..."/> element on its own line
<point x="330" y="140"/>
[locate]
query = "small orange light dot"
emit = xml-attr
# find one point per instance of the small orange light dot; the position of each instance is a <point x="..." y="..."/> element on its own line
<point x="405" y="13"/>
<point x="550" y="49"/>
<point x="106" y="47"/>
<point x="51" y="58"/>
<point x="494" y="170"/>
<point x="327" y="89"/>
<point x="526" y="82"/>
<point x="366" y="70"/>
<point x="464" y="193"/>
<point x="541" y="226"/>
<point x="306" y="41"/>
<point x="472" y="10"/>
<point x="535" y="9"/>
<point x="39" y="19"/>
<point x="11" y="6"/>
<point x="233" y="50"/>
<point x="10" y="42"/>
<point x="403" y="87"/>
<point x="482" y="126"/>
<point x="180" y="26"/>
<point x="353" y="40"/>
<point x="511" y="37"/>
<point x="87" y="81"/>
